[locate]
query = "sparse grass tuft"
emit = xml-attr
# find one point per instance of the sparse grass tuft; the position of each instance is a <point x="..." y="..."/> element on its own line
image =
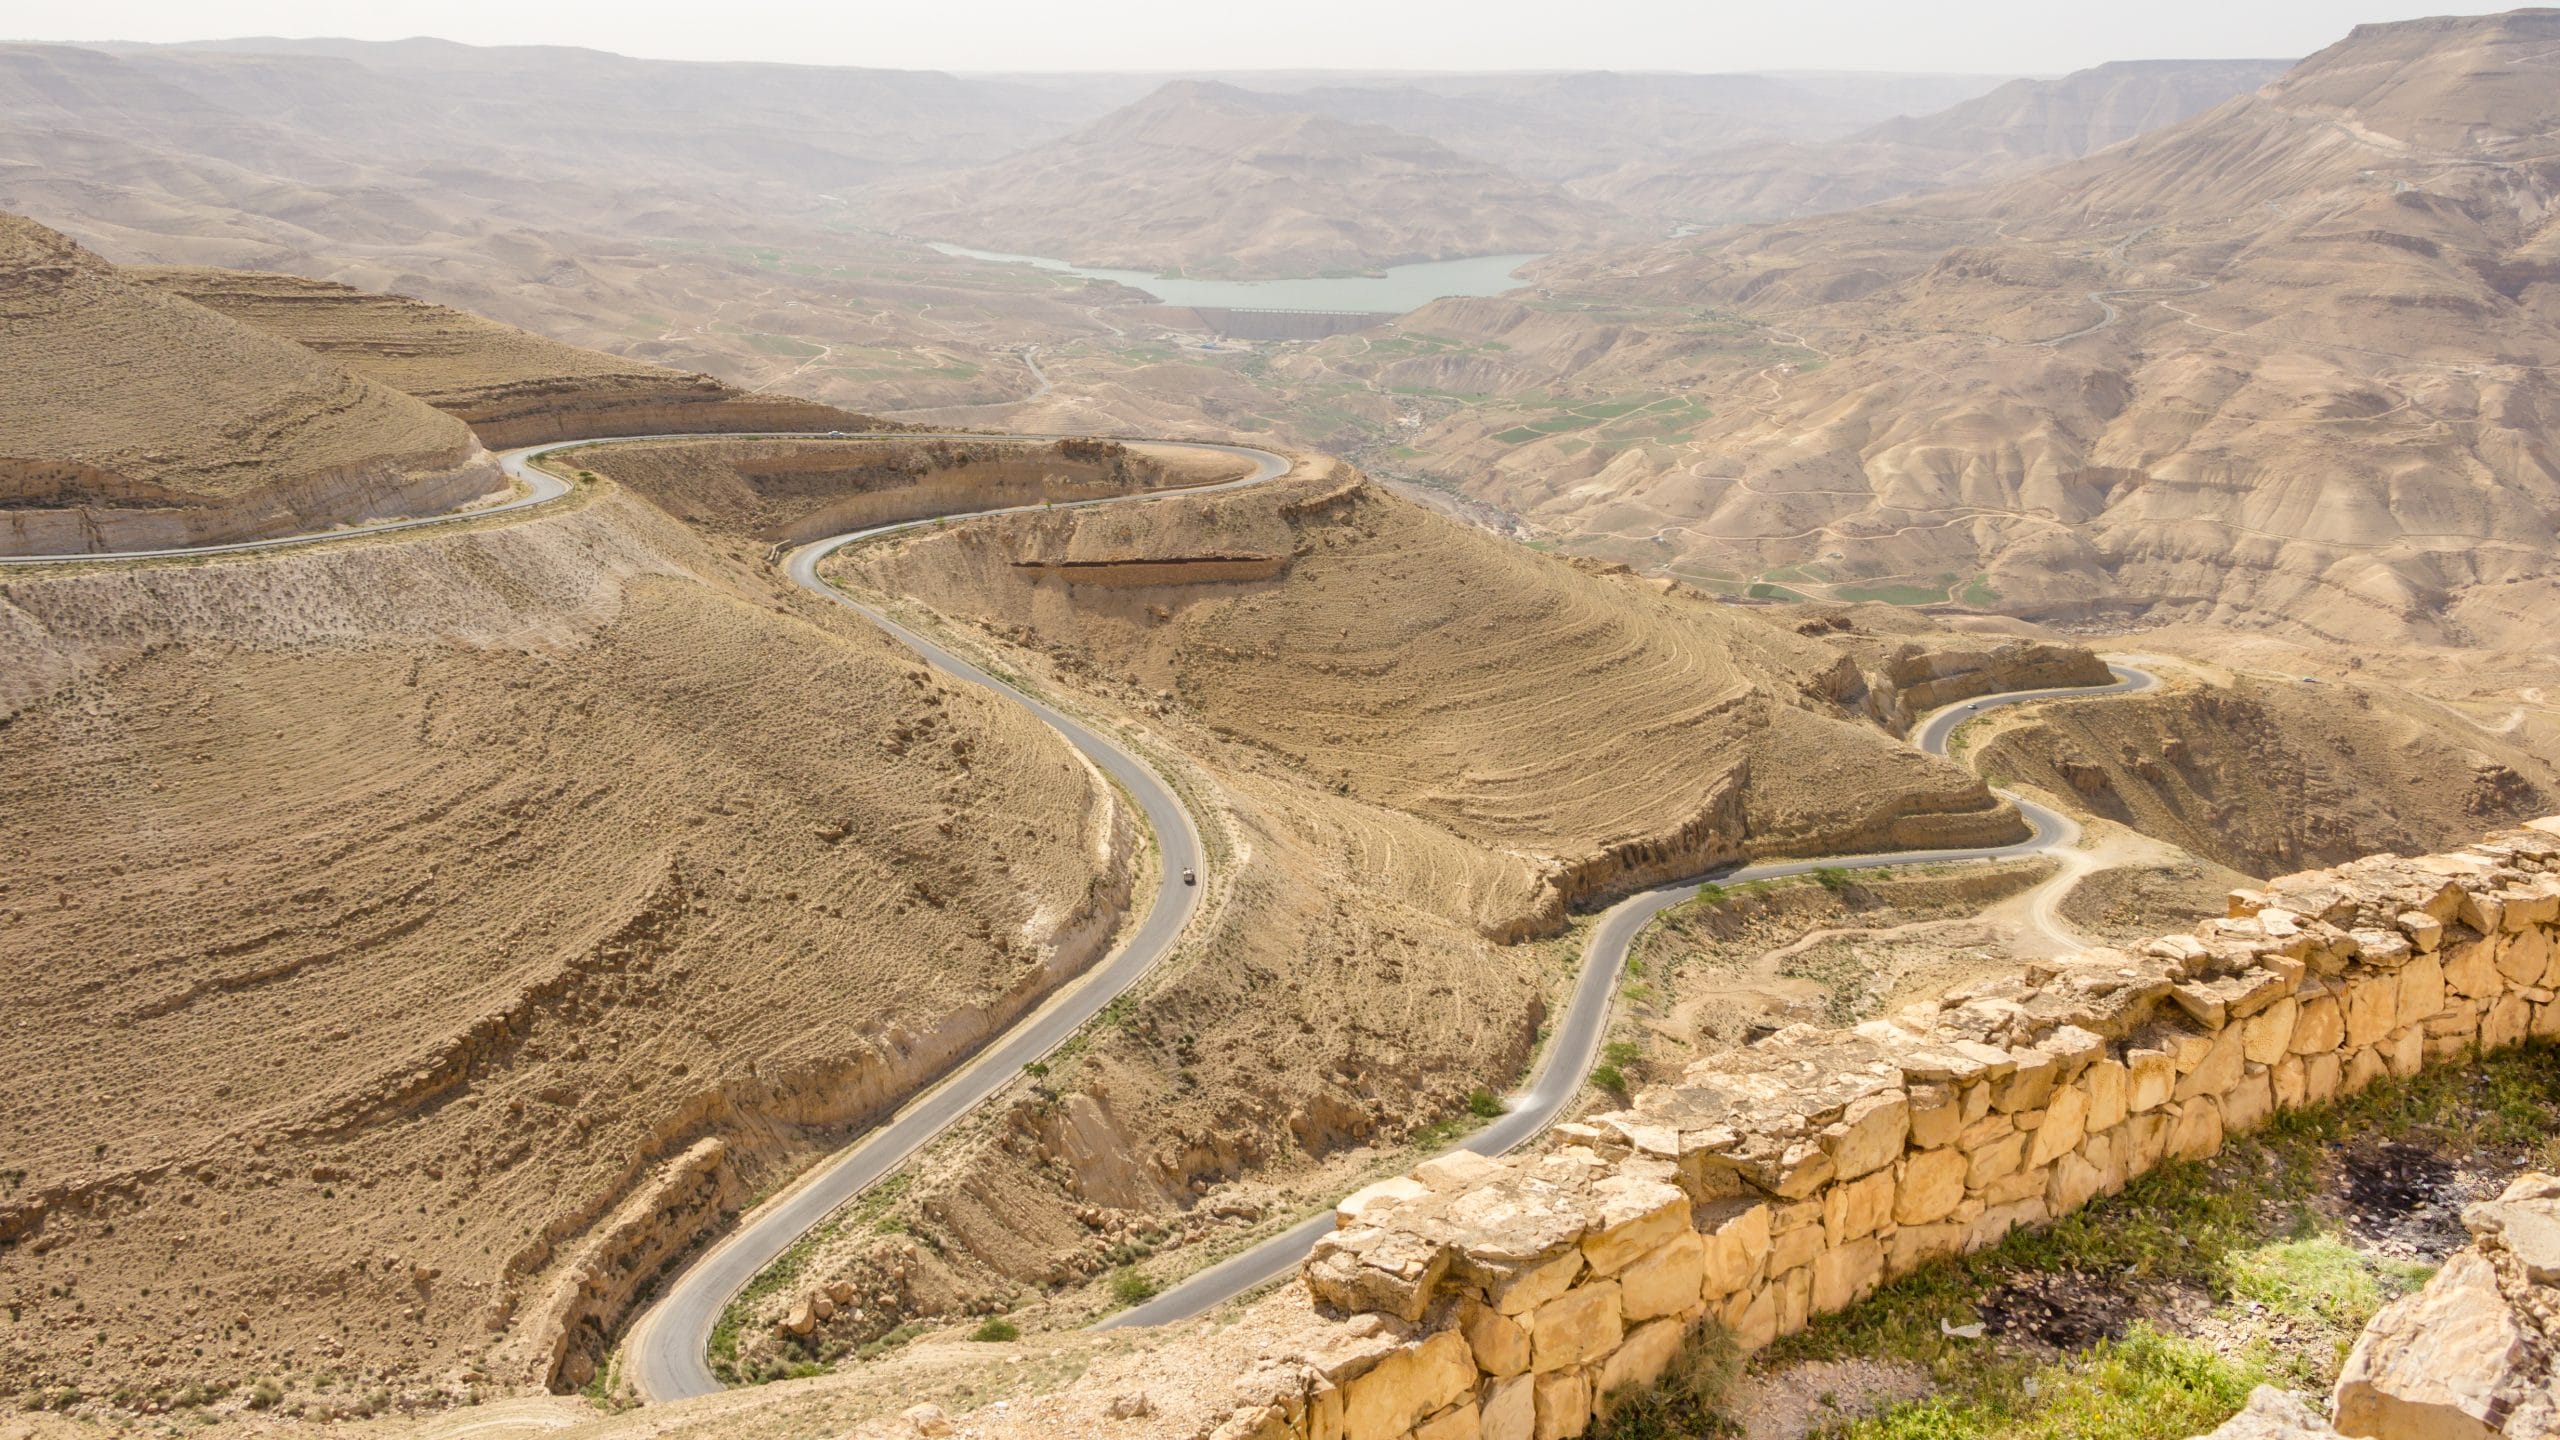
<point x="996" y="1329"/>
<point x="1688" y="1400"/>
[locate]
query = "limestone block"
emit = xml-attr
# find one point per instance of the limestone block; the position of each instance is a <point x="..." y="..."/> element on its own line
<point x="1563" y="1405"/>
<point x="2218" y="1071"/>
<point x="2001" y="1219"/>
<point x="1932" y="1186"/>
<point x="1994" y="1161"/>
<point x="1753" y="1317"/>
<point x="1530" y="1288"/>
<point x="1859" y="1207"/>
<point x="2146" y="1142"/>
<point x="2010" y="1189"/>
<point x="2528" y="906"/>
<point x="2437" y="1363"/>
<point x="2363" y="1068"/>
<point x="1414" y="1382"/>
<point x="1642" y="1359"/>
<point x="1323" y="1417"/>
<point x="1846" y="1275"/>
<point x="2387" y="948"/>
<point x="1581" y="1324"/>
<point x="2546" y="1020"/>
<point x="1736" y="1244"/>
<point x="1459" y="1422"/>
<point x="1457" y="1170"/>
<point x="1373" y="1268"/>
<point x="1937" y="1114"/>
<point x="2424" y="930"/>
<point x="2371" y="1008"/>
<point x="2267" y="1036"/>
<point x="2321" y="1026"/>
<point x="2249" y="1103"/>
<point x="2454" y="1029"/>
<point x="1913" y="1246"/>
<point x="2421" y="989"/>
<point x="2406" y="1050"/>
<point x="1365" y="1206"/>
<point x="2506" y="1022"/>
<point x="1664" y="1281"/>
<point x="1500" y="1343"/>
<point x="1636" y="1214"/>
<point x="1795" y="1248"/>
<point x="2151" y="1077"/>
<point x="2108" y="1153"/>
<point x="1795" y="1299"/>
<point x="1509" y="1409"/>
<point x="2322" y="1075"/>
<point x="1869" y="1136"/>
<point x="2071" y="1182"/>
<point x="2195" y="1129"/>
<point x="2525" y="959"/>
<point x="2029" y="1086"/>
<point x="2471" y="970"/>
<point x="2065" y="1123"/>
<point x="2293" y="1089"/>
<point x="2106" y="1080"/>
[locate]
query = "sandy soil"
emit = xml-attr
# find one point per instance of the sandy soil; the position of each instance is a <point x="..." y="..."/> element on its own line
<point x="463" y="890"/>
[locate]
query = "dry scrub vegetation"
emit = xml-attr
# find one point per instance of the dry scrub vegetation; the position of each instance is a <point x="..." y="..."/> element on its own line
<point x="415" y="944"/>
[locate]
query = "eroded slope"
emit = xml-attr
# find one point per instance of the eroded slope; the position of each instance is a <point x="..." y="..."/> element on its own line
<point x="141" y="420"/>
<point x="511" y="386"/>
<point x="414" y="945"/>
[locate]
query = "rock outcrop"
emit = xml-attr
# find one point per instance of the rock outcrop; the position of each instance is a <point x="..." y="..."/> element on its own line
<point x="1790" y="1179"/>
<point x="2470" y="1355"/>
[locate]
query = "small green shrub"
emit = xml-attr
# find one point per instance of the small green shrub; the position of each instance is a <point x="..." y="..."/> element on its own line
<point x="996" y="1330"/>
<point x="1611" y="1079"/>
<point x="1130" y="1287"/>
<point x="1622" y="1052"/>
<point x="1832" y="878"/>
<point x="1712" y="893"/>
<point x="1483" y="1104"/>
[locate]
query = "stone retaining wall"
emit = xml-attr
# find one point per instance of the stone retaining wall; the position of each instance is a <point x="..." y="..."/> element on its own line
<point x="1505" y="1299"/>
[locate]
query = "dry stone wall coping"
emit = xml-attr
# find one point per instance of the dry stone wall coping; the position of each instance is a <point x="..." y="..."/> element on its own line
<point x="1774" y="1183"/>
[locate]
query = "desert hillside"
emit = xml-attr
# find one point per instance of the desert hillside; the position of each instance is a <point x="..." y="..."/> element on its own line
<point x="2281" y="366"/>
<point x="493" y="912"/>
<point x="2023" y="125"/>
<point x="1423" y="746"/>
<point x="512" y="387"/>
<point x="138" y="419"/>
<point x="1208" y="179"/>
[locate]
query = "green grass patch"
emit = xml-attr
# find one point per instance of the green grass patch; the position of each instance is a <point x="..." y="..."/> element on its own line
<point x="995" y="1330"/>
<point x="2246" y="1227"/>
<point x="1763" y="590"/>
<point x="1978" y="592"/>
<point x="2147" y="1386"/>
<point x="1893" y="594"/>
<point x="1520" y="435"/>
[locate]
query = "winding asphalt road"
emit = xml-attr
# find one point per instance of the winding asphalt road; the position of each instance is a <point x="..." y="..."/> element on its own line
<point x="1574" y="1043"/>
<point x="665" y="1355"/>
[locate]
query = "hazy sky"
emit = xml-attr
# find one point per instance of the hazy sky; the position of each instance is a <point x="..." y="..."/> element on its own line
<point x="2006" y="36"/>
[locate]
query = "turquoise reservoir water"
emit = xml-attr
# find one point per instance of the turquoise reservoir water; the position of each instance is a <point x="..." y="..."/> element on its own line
<point x="1401" y="288"/>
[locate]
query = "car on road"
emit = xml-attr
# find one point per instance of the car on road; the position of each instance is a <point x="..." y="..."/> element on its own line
<point x="1188" y="878"/>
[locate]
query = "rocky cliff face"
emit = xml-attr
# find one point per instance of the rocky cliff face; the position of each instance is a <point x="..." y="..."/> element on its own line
<point x="1512" y="1298"/>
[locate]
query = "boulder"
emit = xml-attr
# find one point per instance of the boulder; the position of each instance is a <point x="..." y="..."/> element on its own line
<point x="1581" y="1324"/>
<point x="2443" y="1364"/>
